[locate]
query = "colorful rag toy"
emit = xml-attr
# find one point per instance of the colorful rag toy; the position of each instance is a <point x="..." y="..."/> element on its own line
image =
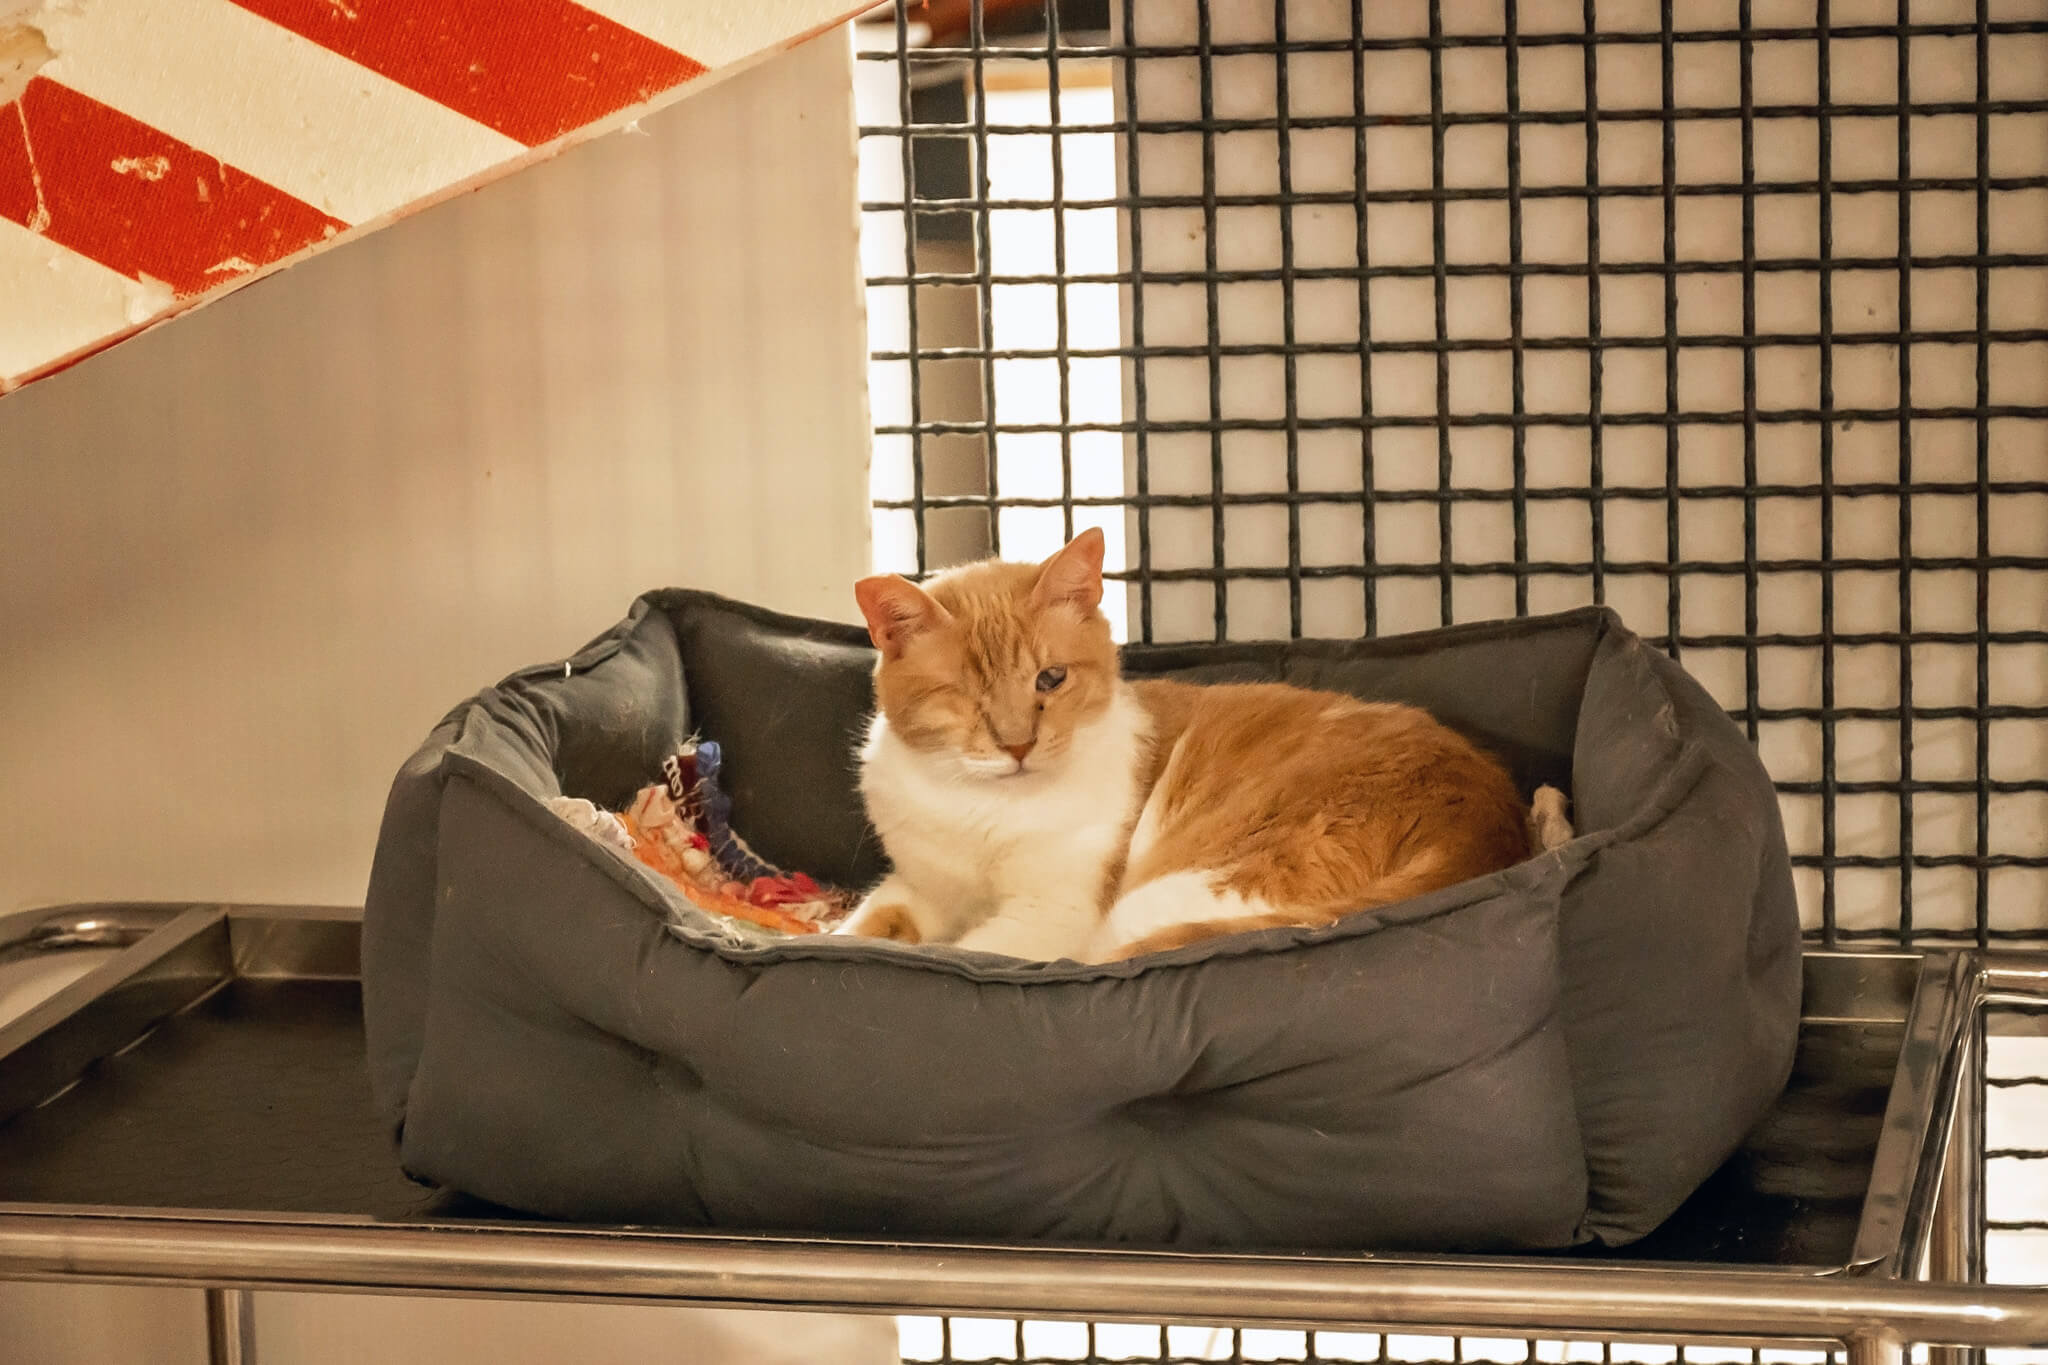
<point x="681" y="828"/>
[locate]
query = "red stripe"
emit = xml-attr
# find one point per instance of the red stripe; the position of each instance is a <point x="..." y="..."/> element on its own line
<point x="137" y="200"/>
<point x="532" y="69"/>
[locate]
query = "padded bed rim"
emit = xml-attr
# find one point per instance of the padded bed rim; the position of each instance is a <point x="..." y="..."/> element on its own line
<point x="696" y="930"/>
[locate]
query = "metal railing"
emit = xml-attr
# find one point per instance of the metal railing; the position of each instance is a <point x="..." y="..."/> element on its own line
<point x="1916" y="1275"/>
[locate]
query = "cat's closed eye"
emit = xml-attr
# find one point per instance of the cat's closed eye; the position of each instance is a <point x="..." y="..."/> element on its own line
<point x="938" y="694"/>
<point x="1050" y="679"/>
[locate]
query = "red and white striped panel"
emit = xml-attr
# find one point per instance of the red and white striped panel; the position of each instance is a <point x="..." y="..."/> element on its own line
<point x="157" y="153"/>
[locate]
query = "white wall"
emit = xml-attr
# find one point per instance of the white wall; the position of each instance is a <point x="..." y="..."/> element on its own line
<point x="250" y="558"/>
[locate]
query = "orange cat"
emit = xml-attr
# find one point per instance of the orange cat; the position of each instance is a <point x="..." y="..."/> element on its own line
<point x="1035" y="803"/>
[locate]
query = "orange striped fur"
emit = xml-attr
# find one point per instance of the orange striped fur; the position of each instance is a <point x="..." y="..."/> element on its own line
<point x="1099" y="818"/>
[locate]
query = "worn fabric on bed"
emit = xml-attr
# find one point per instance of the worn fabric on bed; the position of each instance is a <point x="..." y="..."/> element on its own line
<point x="1552" y="1055"/>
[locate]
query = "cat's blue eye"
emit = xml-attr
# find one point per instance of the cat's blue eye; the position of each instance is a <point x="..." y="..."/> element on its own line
<point x="1051" y="678"/>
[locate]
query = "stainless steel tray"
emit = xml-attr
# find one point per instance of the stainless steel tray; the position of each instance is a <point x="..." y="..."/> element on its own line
<point x="195" y="1110"/>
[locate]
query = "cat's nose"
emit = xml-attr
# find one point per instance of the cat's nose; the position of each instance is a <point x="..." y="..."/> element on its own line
<point x="1018" y="751"/>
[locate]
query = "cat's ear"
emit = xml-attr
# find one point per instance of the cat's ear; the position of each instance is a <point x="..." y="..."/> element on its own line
<point x="1074" y="574"/>
<point x="897" y="610"/>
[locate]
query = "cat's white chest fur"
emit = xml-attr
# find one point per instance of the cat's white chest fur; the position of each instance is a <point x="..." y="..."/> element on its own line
<point x="1015" y="865"/>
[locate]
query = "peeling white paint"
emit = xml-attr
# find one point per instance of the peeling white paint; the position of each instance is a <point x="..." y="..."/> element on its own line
<point x="56" y="302"/>
<point x="23" y="50"/>
<point x="25" y="41"/>
<point x="300" y="117"/>
<point x="309" y="121"/>
<point x="150" y="168"/>
<point x="148" y="298"/>
<point x="39" y="220"/>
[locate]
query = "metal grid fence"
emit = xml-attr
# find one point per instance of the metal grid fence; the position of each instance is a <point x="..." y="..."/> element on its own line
<point x="947" y="1340"/>
<point x="2014" y="1178"/>
<point x="1347" y="317"/>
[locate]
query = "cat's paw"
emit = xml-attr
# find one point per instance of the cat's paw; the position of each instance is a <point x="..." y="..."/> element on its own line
<point x="1549" y="828"/>
<point x="883" y="920"/>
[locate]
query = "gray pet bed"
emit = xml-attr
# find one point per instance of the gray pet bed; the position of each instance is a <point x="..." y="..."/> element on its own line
<point x="1551" y="1056"/>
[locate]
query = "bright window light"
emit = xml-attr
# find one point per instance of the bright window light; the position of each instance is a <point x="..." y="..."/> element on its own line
<point x="1031" y="389"/>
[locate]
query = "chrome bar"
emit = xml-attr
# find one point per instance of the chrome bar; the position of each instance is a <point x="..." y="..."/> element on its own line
<point x="1513" y="1297"/>
<point x="48" y="1047"/>
<point x="1874" y="1309"/>
<point x="2023" y="975"/>
<point x="1898" y="1210"/>
<point x="94" y="925"/>
<point x="230" y="1327"/>
<point x="1876" y="1348"/>
<point x="1956" y="1252"/>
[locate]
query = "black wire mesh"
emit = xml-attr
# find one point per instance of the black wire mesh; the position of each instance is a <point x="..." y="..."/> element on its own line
<point x="947" y="1340"/>
<point x="1430" y="312"/>
<point x="2015" y="1156"/>
<point x="1733" y="316"/>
